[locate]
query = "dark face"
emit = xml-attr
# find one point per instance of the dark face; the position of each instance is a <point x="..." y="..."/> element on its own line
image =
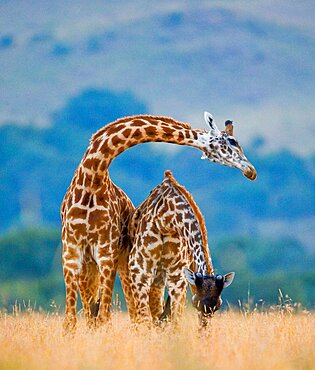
<point x="207" y="299"/>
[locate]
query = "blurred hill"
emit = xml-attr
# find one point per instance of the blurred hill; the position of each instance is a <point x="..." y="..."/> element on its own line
<point x="38" y="163"/>
<point x="249" y="61"/>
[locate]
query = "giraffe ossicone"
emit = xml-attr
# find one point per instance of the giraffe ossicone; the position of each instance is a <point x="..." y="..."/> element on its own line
<point x="95" y="212"/>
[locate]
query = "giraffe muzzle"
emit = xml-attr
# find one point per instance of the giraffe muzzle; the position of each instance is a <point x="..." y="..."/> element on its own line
<point x="250" y="172"/>
<point x="252" y="175"/>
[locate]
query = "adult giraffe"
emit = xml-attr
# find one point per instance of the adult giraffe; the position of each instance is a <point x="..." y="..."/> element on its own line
<point x="95" y="212"/>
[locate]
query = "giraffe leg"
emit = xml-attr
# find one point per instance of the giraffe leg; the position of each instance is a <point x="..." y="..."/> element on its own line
<point x="177" y="297"/>
<point x="124" y="276"/>
<point x="123" y="268"/>
<point x="108" y="260"/>
<point x="71" y="274"/>
<point x="89" y="286"/>
<point x="143" y="260"/>
<point x="156" y="300"/>
<point x="140" y="287"/>
<point x="71" y="284"/>
<point x="177" y="289"/>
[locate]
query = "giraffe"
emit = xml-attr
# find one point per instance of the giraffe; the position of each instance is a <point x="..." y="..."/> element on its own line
<point x="95" y="212"/>
<point x="168" y="233"/>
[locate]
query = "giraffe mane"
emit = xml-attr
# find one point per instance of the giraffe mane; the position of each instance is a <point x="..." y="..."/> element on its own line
<point x="168" y="174"/>
<point x="169" y="120"/>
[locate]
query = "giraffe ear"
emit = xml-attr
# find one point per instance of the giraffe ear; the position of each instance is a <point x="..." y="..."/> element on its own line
<point x="190" y="276"/>
<point x="228" y="279"/>
<point x="210" y="122"/>
<point x="193" y="278"/>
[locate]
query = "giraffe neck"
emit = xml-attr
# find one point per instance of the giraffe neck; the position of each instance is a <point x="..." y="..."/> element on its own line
<point x="113" y="139"/>
<point x="200" y="259"/>
<point x="194" y="229"/>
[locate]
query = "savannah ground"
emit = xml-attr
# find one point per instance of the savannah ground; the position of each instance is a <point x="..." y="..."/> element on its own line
<point x="235" y="340"/>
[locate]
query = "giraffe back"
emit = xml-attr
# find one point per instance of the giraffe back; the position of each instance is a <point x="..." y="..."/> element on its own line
<point x="171" y="211"/>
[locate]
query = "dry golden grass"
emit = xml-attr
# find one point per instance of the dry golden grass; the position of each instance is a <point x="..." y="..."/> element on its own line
<point x="272" y="340"/>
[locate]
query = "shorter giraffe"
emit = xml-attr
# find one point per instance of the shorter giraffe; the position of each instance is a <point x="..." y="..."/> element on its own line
<point x="168" y="234"/>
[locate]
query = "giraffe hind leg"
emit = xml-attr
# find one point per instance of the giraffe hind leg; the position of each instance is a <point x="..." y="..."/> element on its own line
<point x="71" y="276"/>
<point x="177" y="289"/>
<point x="124" y="276"/>
<point x="89" y="286"/>
<point x="156" y="300"/>
<point x="140" y="287"/>
<point x="143" y="260"/>
<point x="108" y="257"/>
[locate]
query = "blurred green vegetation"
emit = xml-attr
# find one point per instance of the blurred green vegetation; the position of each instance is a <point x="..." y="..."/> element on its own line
<point x="264" y="266"/>
<point x="31" y="270"/>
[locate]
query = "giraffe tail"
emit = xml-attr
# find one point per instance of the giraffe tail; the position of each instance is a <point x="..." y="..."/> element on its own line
<point x="166" y="314"/>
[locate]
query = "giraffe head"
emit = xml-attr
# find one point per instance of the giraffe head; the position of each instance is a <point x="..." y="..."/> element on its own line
<point x="222" y="147"/>
<point x="207" y="299"/>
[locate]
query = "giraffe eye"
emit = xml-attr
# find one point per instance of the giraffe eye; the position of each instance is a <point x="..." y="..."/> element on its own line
<point x="233" y="142"/>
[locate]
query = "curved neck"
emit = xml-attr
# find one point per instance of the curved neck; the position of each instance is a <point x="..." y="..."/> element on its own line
<point x="193" y="228"/>
<point x="120" y="135"/>
<point x="201" y="258"/>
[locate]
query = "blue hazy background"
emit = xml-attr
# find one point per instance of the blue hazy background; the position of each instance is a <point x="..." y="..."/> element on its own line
<point x="68" y="68"/>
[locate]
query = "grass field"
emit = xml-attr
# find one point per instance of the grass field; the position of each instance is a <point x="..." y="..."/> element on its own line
<point x="235" y="340"/>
